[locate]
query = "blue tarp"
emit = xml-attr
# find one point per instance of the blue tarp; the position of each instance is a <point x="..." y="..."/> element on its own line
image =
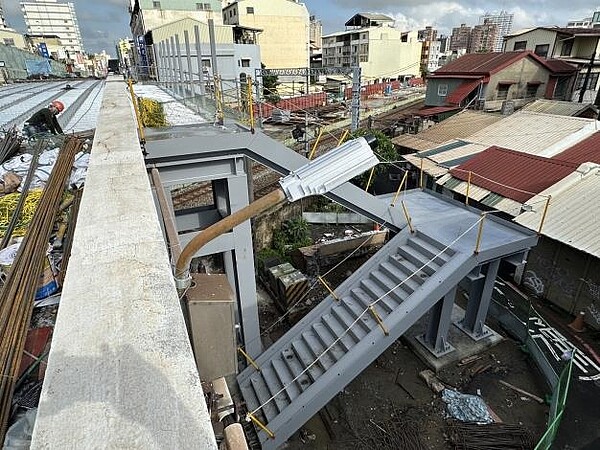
<point x="38" y="67"/>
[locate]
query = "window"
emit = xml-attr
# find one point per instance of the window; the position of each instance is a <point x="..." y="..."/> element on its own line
<point x="9" y="42"/>
<point x="249" y="10"/>
<point x="503" y="91"/>
<point x="542" y="50"/>
<point x="443" y="90"/>
<point x="592" y="81"/>
<point x="206" y="63"/>
<point x="230" y="13"/>
<point x="531" y="91"/>
<point x="567" y="47"/>
<point x="520" y="45"/>
<point x="156" y="5"/>
<point x="245" y="62"/>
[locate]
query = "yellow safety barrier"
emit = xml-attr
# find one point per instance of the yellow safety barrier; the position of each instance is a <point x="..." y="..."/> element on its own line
<point x="378" y="319"/>
<point x="331" y="292"/>
<point x="261" y="425"/>
<point x="399" y="188"/>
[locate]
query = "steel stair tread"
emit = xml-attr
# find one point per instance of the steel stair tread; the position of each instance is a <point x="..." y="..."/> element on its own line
<point x="408" y="257"/>
<point x="337" y="330"/>
<point x="383" y="306"/>
<point x="297" y="367"/>
<point x="263" y="395"/>
<point x="397" y="287"/>
<point x="401" y="275"/>
<point x="317" y="349"/>
<point x="347" y="321"/>
<point x="274" y="386"/>
<point x="282" y="371"/>
<point x="326" y="338"/>
<point x="306" y="358"/>
<point x="423" y="237"/>
<point x="374" y="288"/>
<point x="356" y="310"/>
<point x="430" y="251"/>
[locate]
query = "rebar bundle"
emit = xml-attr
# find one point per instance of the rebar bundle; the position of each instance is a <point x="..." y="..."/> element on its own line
<point x="18" y="292"/>
<point x="9" y="144"/>
<point x="495" y="436"/>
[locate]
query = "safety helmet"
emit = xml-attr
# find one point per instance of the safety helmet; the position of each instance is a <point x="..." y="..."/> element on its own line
<point x="58" y="105"/>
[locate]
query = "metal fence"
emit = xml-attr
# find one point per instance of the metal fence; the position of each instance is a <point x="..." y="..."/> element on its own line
<point x="521" y="319"/>
<point x="15" y="63"/>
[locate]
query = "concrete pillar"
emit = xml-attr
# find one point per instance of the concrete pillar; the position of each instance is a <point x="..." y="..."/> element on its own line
<point x="435" y="338"/>
<point x="480" y="296"/>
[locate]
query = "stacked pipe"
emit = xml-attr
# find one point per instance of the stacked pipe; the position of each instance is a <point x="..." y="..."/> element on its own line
<point x="17" y="295"/>
<point x="9" y="144"/>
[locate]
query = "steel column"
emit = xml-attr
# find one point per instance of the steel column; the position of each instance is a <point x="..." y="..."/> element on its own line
<point x="186" y="38"/>
<point x="356" y="74"/>
<point x="179" y="67"/>
<point x="169" y="63"/>
<point x="480" y="296"/>
<point x="199" y="61"/>
<point x="436" y="337"/>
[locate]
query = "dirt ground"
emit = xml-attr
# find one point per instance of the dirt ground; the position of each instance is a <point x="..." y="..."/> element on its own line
<point x="389" y="403"/>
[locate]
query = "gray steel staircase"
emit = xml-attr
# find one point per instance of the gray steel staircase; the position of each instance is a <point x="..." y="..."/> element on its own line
<point x="327" y="349"/>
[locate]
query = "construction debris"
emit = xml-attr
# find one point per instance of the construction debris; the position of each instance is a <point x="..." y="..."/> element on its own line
<point x="494" y="436"/>
<point x="432" y="381"/>
<point x="466" y="407"/>
<point x="521" y="391"/>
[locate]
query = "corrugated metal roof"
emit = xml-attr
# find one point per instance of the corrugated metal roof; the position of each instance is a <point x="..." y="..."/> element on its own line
<point x="460" y="125"/>
<point x="571" y="218"/>
<point x="489" y="63"/>
<point x="535" y="133"/>
<point x="475" y="192"/>
<point x="587" y="150"/>
<point x="514" y="175"/>
<point x="437" y="161"/>
<point x="462" y="91"/>
<point x="557" y="107"/>
<point x="509" y="206"/>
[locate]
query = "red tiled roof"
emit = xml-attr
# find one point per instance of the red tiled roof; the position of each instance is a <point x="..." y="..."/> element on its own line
<point x="462" y="91"/>
<point x="587" y="150"/>
<point x="496" y="168"/>
<point x="488" y="63"/>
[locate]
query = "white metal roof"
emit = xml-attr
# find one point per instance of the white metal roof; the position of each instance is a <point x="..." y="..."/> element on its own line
<point x="572" y="215"/>
<point x="438" y="164"/>
<point x="536" y="133"/>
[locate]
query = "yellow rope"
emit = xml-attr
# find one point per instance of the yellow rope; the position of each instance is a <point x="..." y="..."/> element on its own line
<point x="8" y="203"/>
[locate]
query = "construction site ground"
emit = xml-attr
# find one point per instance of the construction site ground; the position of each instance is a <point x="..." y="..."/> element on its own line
<point x="390" y="399"/>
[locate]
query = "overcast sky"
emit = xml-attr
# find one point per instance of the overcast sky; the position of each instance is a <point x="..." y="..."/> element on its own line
<point x="104" y="22"/>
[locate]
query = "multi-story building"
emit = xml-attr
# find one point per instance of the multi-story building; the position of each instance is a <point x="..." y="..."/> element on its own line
<point x="51" y="18"/>
<point x="427" y="38"/>
<point x="461" y="37"/>
<point x="435" y="53"/>
<point x="588" y="22"/>
<point x="579" y="47"/>
<point x="149" y="14"/>
<point x="316" y="33"/>
<point x="504" y="21"/>
<point x="2" y="18"/>
<point x="428" y="34"/>
<point x="372" y="43"/>
<point x="285" y="29"/>
<point x="444" y="43"/>
<point x="483" y="38"/>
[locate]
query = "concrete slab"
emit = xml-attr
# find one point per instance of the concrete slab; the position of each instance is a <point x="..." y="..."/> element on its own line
<point x="464" y="346"/>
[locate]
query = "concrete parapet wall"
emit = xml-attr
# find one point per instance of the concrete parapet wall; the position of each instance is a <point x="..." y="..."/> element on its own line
<point x="121" y="372"/>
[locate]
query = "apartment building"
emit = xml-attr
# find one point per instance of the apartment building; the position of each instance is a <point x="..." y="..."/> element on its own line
<point x="503" y="20"/>
<point x="588" y="22"/>
<point x="460" y="38"/>
<point x="371" y="42"/>
<point x="52" y="18"/>
<point x="483" y="38"/>
<point x="284" y="29"/>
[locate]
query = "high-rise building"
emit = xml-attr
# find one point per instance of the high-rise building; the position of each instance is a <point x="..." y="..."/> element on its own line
<point x="444" y="43"/>
<point x="2" y="18"/>
<point x="503" y="20"/>
<point x="461" y="38"/>
<point x="483" y="38"/>
<point x="51" y="18"/>
<point x="316" y="33"/>
<point x="428" y="34"/>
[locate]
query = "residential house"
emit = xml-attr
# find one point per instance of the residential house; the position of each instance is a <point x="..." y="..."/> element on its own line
<point x="382" y="51"/>
<point x="487" y="80"/>
<point x="12" y="38"/>
<point x="577" y="46"/>
<point x="285" y="30"/>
